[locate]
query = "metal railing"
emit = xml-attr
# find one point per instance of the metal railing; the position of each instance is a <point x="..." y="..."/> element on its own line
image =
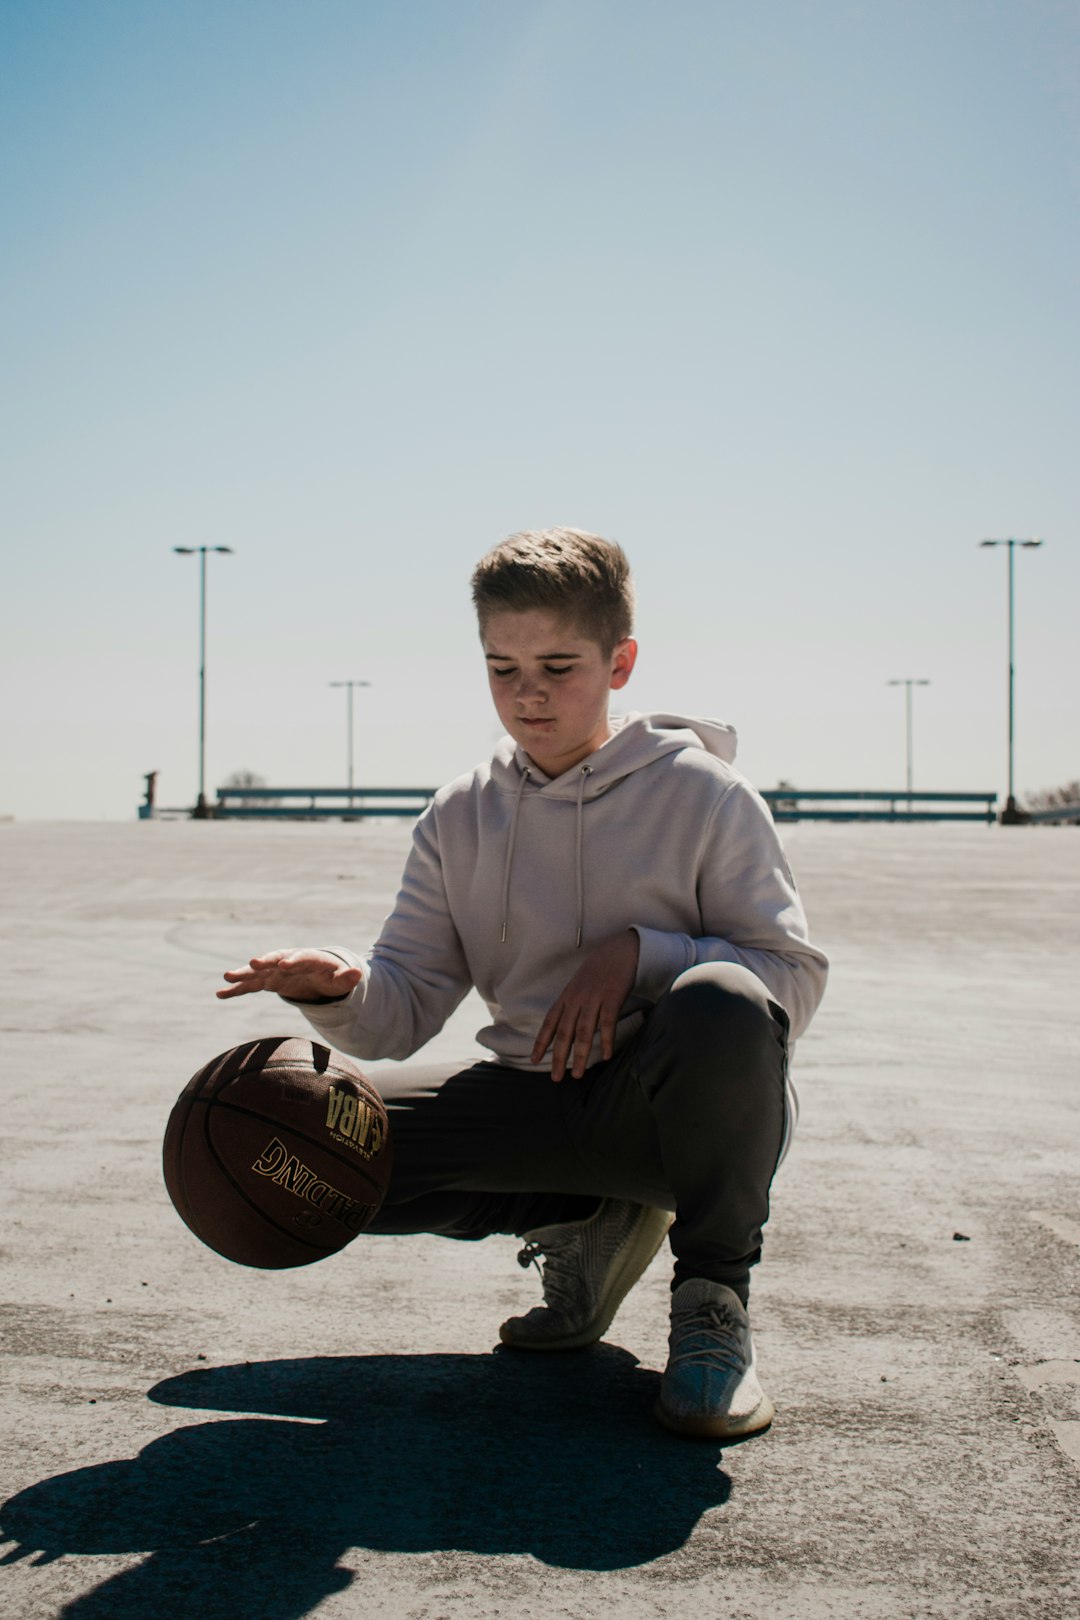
<point x="245" y="802"/>
<point x="864" y="804"/>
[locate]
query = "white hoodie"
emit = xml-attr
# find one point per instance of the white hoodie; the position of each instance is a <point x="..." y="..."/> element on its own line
<point x="512" y="874"/>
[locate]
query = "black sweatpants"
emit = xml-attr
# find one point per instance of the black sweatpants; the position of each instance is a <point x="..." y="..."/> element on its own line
<point x="690" y="1115"/>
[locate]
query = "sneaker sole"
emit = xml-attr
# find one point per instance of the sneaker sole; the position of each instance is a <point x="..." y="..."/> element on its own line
<point x="641" y="1248"/>
<point x="720" y="1426"/>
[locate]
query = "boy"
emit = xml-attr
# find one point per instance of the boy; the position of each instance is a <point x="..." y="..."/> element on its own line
<point x="618" y="895"/>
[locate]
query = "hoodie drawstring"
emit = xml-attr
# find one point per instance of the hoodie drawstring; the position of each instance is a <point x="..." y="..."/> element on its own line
<point x="579" y="862"/>
<point x="510" y="853"/>
<point x="586" y="772"/>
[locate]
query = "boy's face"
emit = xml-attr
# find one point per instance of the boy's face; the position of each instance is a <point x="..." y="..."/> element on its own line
<point x="550" y="683"/>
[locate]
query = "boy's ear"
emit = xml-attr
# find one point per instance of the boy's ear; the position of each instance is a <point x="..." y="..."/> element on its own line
<point x="623" y="660"/>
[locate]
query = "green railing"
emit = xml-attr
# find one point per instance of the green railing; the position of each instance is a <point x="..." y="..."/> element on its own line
<point x="350" y="803"/>
<point x="786" y="804"/>
<point x="822" y="804"/>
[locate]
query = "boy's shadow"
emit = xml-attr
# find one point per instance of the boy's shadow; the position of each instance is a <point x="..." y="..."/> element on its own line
<point x="556" y="1457"/>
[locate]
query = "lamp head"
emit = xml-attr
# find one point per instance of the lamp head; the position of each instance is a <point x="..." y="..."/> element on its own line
<point x="1027" y="543"/>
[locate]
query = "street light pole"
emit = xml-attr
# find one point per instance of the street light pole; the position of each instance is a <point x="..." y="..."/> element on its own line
<point x="1011" y="815"/>
<point x="202" y="809"/>
<point x="350" y="685"/>
<point x="908" y="682"/>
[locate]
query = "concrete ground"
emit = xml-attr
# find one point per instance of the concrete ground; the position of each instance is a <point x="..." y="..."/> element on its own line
<point x="184" y="1437"/>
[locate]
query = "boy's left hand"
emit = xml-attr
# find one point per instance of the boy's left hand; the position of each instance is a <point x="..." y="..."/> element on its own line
<point x="591" y="1001"/>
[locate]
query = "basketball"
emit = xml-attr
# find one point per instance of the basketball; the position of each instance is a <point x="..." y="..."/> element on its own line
<point x="277" y="1153"/>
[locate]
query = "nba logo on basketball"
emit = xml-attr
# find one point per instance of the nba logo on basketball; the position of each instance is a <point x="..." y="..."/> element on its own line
<point x="350" y="1119"/>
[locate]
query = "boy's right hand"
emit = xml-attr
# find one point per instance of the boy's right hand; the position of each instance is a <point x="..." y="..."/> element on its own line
<point x="300" y="975"/>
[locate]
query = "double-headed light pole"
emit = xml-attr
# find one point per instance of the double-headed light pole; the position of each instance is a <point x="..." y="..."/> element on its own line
<point x="1011" y="814"/>
<point x="350" y="685"/>
<point x="202" y="810"/>
<point x="908" y="682"/>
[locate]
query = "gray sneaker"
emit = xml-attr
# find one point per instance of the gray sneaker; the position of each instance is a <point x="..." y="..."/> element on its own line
<point x="589" y="1268"/>
<point x="710" y="1386"/>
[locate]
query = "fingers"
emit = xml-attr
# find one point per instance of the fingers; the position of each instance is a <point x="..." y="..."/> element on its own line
<point x="558" y="1032"/>
<point x="560" y="1051"/>
<point x="609" y="1018"/>
<point x="546" y="1032"/>
<point x="242" y="981"/>
<point x="303" y="975"/>
<point x="283" y="960"/>
<point x="246" y="980"/>
<point x="583" y="1040"/>
<point x="569" y="1029"/>
<point x="590" y="1004"/>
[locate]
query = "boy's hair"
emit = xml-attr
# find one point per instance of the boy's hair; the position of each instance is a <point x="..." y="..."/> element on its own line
<point x="565" y="571"/>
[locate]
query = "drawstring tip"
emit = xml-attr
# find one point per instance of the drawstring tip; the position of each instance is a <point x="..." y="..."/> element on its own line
<point x="502" y="936"/>
<point x="577" y="945"/>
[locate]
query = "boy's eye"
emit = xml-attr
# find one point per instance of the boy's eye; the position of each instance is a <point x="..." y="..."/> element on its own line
<point x="503" y="672"/>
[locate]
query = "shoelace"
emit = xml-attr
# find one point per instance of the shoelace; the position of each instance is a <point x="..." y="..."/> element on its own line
<point x="708" y="1336"/>
<point x="557" y="1281"/>
<point x="529" y="1256"/>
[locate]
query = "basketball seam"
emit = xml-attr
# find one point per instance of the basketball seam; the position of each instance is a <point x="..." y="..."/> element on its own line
<point x="203" y="1087"/>
<point x="294" y="1131"/>
<point x="244" y="1053"/>
<point x="362" y="1084"/>
<point x="227" y="1173"/>
<point x="252" y="1060"/>
<point x="173" y="1163"/>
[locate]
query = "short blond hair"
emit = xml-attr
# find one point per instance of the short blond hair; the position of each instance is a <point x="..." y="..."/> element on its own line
<point x="570" y="572"/>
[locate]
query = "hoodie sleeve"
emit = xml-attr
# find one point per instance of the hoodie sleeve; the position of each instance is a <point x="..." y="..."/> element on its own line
<point x="750" y="912"/>
<point x="414" y="976"/>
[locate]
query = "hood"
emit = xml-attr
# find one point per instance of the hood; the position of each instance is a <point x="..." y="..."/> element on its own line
<point x="638" y="740"/>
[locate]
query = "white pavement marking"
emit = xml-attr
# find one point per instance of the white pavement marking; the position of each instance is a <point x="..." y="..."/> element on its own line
<point x="1047" y="1373"/>
<point x="1068" y="1438"/>
<point x="1060" y="1225"/>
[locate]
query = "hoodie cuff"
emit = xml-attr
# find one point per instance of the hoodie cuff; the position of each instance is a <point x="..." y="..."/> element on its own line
<point x="662" y="957"/>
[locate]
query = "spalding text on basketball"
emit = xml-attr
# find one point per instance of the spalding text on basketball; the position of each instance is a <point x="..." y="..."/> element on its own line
<point x="351" y="1120"/>
<point x="284" y="1169"/>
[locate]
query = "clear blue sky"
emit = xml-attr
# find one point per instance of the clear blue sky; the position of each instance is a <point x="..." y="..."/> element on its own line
<point x="783" y="297"/>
